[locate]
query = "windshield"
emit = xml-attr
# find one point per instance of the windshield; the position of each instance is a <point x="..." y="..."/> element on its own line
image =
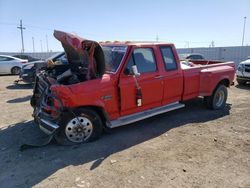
<point x="113" y="56"/>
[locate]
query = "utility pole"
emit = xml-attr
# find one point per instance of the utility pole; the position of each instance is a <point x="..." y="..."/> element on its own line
<point x="157" y="38"/>
<point x="41" y="45"/>
<point x="244" y="26"/>
<point x="212" y="44"/>
<point x="47" y="43"/>
<point x="33" y="42"/>
<point x="21" y="28"/>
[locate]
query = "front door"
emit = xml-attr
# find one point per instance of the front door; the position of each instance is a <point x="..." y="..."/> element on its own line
<point x="149" y="82"/>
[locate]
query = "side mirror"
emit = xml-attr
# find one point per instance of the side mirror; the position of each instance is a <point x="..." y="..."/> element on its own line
<point x="135" y="71"/>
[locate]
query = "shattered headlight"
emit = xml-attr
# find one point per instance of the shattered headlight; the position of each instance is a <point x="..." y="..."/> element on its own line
<point x="240" y="67"/>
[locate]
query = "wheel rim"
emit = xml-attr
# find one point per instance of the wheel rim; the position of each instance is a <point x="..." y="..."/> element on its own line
<point x="16" y="70"/>
<point x="219" y="99"/>
<point x="78" y="129"/>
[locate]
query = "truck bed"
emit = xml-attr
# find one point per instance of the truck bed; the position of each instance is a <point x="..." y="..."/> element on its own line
<point x="205" y="74"/>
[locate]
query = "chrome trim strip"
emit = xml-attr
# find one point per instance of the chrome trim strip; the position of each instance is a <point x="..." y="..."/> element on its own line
<point x="53" y="125"/>
<point x="143" y="115"/>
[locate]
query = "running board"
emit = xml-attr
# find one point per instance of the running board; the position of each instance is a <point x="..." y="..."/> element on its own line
<point x="143" y="115"/>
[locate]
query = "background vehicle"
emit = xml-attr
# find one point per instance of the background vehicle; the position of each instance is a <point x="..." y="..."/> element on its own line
<point x="193" y="56"/>
<point x="113" y="84"/>
<point x="10" y="65"/>
<point x="27" y="57"/>
<point x="243" y="72"/>
<point x="29" y="70"/>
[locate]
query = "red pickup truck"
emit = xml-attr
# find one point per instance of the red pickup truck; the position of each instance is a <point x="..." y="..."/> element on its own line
<point x="110" y="84"/>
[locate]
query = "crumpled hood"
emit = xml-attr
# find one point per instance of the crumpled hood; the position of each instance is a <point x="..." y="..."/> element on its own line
<point x="83" y="52"/>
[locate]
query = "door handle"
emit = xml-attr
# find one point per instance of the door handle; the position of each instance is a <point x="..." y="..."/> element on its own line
<point x="159" y="77"/>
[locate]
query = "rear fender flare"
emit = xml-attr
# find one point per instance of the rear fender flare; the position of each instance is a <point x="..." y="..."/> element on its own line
<point x="224" y="80"/>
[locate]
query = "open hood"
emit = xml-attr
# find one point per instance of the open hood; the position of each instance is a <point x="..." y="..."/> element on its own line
<point x="83" y="52"/>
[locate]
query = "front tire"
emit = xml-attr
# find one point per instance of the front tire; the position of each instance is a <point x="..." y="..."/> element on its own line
<point x="218" y="99"/>
<point x="81" y="126"/>
<point x="15" y="70"/>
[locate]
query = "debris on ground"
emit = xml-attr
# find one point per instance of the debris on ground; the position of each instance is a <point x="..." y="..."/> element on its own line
<point x="112" y="161"/>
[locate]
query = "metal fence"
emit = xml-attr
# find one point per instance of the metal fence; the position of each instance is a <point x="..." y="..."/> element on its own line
<point x="235" y="53"/>
<point x="40" y="55"/>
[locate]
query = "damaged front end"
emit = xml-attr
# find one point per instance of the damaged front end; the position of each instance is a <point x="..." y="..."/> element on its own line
<point x="85" y="62"/>
<point x="48" y="107"/>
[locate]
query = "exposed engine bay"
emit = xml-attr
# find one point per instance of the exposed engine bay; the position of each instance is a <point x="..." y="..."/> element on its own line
<point x="86" y="60"/>
<point x="67" y="74"/>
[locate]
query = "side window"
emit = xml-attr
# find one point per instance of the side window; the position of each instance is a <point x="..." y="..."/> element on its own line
<point x="144" y="59"/>
<point x="5" y="59"/>
<point x="168" y="58"/>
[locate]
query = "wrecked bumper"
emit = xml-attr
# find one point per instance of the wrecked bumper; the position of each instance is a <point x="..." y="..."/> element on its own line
<point x="45" y="114"/>
<point x="47" y="122"/>
<point x="47" y="126"/>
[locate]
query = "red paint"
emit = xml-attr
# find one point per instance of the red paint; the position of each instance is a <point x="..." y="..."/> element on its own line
<point x="177" y="85"/>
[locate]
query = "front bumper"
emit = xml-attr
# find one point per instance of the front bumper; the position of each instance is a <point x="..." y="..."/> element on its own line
<point x="243" y="78"/>
<point x="45" y="114"/>
<point x="27" y="75"/>
<point x="47" y="125"/>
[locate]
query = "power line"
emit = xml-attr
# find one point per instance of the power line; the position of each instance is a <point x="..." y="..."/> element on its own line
<point x="21" y="28"/>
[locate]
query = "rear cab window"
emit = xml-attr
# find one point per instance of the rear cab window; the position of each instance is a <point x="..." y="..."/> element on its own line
<point x="168" y="58"/>
<point x="144" y="59"/>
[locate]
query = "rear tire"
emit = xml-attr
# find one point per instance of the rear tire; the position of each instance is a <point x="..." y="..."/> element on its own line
<point x="85" y="125"/>
<point x="241" y="82"/>
<point x="218" y="99"/>
<point x="15" y="70"/>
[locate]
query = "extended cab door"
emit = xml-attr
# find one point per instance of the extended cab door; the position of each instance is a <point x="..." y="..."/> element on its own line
<point x="172" y="74"/>
<point x="149" y="82"/>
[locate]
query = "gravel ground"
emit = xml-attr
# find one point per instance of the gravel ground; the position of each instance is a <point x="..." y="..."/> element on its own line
<point x="189" y="147"/>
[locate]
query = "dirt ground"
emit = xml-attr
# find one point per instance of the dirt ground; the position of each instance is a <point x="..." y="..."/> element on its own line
<point x="189" y="147"/>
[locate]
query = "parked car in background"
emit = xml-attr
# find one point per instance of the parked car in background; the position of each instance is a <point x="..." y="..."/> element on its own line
<point x="243" y="72"/>
<point x="28" y="57"/>
<point x="10" y="65"/>
<point x="29" y="70"/>
<point x="193" y="56"/>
